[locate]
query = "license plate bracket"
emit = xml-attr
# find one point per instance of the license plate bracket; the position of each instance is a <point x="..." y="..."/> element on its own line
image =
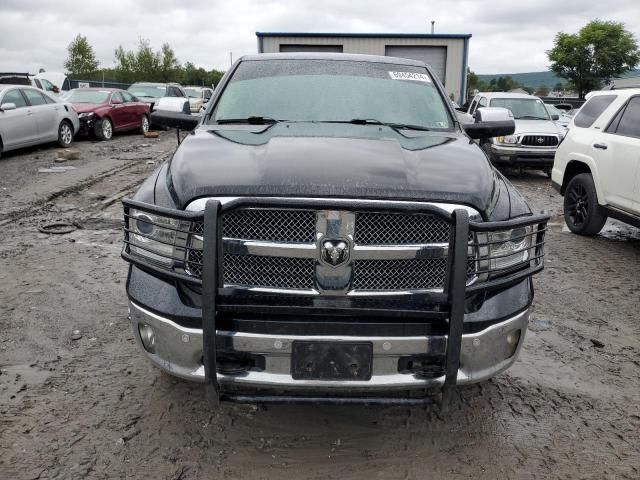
<point x="331" y="360"/>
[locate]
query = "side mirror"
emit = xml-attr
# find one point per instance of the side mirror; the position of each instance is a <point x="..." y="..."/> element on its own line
<point x="179" y="120"/>
<point x="481" y="130"/>
<point x="491" y="122"/>
<point x="55" y="89"/>
<point x="116" y="102"/>
<point x="173" y="104"/>
<point x="555" y="116"/>
<point x="7" y="106"/>
<point x="493" y="114"/>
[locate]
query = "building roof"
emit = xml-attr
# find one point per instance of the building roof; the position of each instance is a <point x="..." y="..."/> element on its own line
<point x="363" y="35"/>
<point x="354" y="57"/>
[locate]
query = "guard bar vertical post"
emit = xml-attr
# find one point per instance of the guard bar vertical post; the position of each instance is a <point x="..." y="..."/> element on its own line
<point x="457" y="297"/>
<point x="210" y="273"/>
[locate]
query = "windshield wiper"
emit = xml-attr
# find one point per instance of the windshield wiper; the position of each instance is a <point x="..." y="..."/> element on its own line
<point x="373" y="121"/>
<point x="253" y="120"/>
<point x="530" y="117"/>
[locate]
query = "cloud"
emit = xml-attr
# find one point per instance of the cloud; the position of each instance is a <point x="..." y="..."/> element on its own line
<point x="508" y="36"/>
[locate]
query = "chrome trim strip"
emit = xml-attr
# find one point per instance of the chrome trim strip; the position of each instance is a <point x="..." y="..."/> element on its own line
<point x="269" y="249"/>
<point x="198" y="204"/>
<point x="400" y="252"/>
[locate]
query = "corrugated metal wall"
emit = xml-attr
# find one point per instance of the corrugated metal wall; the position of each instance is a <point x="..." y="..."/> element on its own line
<point x="377" y="45"/>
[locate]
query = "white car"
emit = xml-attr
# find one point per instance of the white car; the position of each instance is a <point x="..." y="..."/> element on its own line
<point x="198" y="97"/>
<point x="597" y="166"/>
<point x="536" y="138"/>
<point x="29" y="116"/>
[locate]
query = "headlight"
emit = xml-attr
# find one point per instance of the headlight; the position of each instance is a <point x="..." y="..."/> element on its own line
<point x="155" y="237"/>
<point x="86" y="115"/>
<point x="510" y="248"/>
<point x="509" y="139"/>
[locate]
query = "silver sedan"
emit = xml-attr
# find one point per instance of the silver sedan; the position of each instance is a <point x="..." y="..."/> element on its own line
<point x="29" y="116"/>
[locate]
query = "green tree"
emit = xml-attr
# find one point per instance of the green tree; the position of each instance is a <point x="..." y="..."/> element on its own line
<point x="169" y="65"/>
<point x="598" y="52"/>
<point x="81" y="60"/>
<point x="559" y="87"/>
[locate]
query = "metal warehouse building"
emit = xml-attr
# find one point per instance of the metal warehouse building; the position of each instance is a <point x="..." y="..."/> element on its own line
<point x="446" y="53"/>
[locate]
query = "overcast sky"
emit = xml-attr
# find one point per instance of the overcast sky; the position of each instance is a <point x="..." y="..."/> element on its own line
<point x="509" y="36"/>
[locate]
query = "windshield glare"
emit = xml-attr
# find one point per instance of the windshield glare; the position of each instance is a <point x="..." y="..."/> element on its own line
<point x="331" y="90"/>
<point x="87" y="96"/>
<point x="523" y="108"/>
<point x="154" y="91"/>
<point x="193" y="92"/>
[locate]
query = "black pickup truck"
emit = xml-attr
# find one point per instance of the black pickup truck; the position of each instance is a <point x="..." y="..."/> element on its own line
<point x="329" y="232"/>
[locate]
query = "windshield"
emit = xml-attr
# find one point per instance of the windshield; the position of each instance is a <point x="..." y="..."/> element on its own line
<point x="523" y="108"/>
<point x="333" y="90"/>
<point x="154" y="91"/>
<point x="193" y="92"/>
<point x="82" y="95"/>
<point x="553" y="110"/>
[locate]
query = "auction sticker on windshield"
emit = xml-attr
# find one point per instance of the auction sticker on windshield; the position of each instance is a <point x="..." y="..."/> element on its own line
<point x="416" y="77"/>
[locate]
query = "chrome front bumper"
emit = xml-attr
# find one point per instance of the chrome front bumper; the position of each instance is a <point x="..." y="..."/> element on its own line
<point x="178" y="351"/>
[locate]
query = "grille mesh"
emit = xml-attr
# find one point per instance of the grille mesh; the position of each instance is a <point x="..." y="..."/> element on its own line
<point x="418" y="274"/>
<point x="399" y="229"/>
<point x="298" y="226"/>
<point x="533" y="140"/>
<point x="276" y="272"/>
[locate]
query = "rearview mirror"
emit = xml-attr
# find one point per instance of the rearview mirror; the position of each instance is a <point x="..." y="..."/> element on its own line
<point x="8" y="106"/>
<point x="490" y="129"/>
<point x="181" y="121"/>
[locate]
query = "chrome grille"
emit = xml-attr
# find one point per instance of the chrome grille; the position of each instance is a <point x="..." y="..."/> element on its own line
<point x="539" y="141"/>
<point x="399" y="229"/>
<point x="268" y="272"/>
<point x="298" y="226"/>
<point x="277" y="249"/>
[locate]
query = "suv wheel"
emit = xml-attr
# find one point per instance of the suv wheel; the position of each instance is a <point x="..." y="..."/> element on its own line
<point x="65" y="134"/>
<point x="103" y="129"/>
<point x="582" y="213"/>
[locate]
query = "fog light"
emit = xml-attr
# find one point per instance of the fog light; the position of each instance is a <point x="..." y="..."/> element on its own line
<point x="148" y="337"/>
<point x="513" y="338"/>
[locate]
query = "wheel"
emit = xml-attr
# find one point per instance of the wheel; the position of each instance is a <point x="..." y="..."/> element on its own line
<point x="103" y="129"/>
<point x="144" y="124"/>
<point x="65" y="134"/>
<point x="582" y="213"/>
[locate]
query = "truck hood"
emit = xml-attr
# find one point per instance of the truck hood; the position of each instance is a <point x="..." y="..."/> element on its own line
<point x="537" y="127"/>
<point x="340" y="161"/>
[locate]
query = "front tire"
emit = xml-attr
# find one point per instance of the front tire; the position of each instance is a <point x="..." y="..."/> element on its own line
<point x="144" y="124"/>
<point x="65" y="134"/>
<point x="103" y="129"/>
<point x="582" y="213"/>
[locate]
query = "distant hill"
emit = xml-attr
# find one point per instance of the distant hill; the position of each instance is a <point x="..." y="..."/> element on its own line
<point x="536" y="79"/>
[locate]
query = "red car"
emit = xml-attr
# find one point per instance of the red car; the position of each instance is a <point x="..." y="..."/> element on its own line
<point x="103" y="111"/>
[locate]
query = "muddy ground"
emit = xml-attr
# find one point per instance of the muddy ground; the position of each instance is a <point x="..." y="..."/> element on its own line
<point x="77" y="400"/>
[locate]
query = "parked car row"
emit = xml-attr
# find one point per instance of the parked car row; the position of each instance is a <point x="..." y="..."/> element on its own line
<point x="31" y="114"/>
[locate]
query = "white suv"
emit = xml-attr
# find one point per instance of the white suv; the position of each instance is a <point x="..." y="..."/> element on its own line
<point x="597" y="166"/>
